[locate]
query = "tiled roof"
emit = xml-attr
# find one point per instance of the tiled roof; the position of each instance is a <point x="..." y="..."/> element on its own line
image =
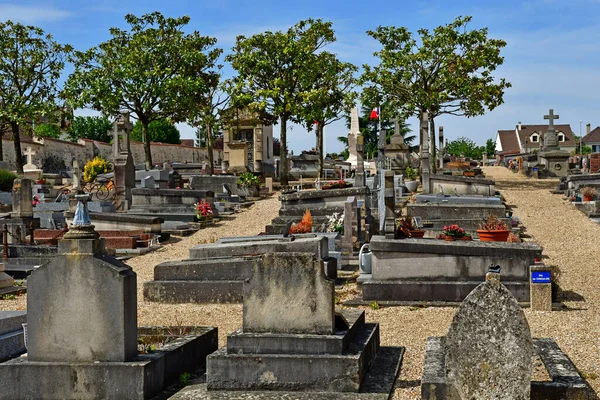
<point x="593" y="136"/>
<point x="508" y="140"/>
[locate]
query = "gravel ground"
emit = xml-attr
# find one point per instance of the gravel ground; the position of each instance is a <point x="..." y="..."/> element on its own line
<point x="569" y="239"/>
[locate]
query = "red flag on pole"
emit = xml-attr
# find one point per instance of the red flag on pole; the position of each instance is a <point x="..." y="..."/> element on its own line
<point x="374" y="113"/>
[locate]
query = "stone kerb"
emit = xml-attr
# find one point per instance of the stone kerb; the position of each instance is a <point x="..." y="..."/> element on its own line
<point x="288" y="293"/>
<point x="488" y="347"/>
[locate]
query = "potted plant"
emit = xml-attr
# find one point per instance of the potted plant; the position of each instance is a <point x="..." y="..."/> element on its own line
<point x="411" y="182"/>
<point x="493" y="230"/>
<point x="204" y="211"/>
<point x="455" y="232"/>
<point x="469" y="172"/>
<point x="41" y="181"/>
<point x="406" y="229"/>
<point x="589" y="193"/>
<point x="304" y="226"/>
<point x="249" y="184"/>
<point x="335" y="223"/>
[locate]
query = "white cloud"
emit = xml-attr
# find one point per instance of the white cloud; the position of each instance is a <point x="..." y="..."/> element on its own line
<point x="32" y="14"/>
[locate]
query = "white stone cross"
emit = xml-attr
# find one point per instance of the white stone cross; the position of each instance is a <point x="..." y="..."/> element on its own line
<point x="29" y="153"/>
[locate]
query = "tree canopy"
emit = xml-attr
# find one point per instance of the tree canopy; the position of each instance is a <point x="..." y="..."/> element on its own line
<point x="93" y="128"/>
<point x="272" y="72"/>
<point x="447" y="71"/>
<point x="30" y="66"/>
<point x="154" y="70"/>
<point x="465" y="147"/>
<point x="331" y="99"/>
<point x="160" y="130"/>
<point x="48" y="130"/>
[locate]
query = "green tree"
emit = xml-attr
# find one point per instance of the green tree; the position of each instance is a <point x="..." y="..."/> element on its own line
<point x="466" y="147"/>
<point x="332" y="97"/>
<point x="30" y="66"/>
<point x="48" y="130"/>
<point x="447" y="71"/>
<point x="490" y="147"/>
<point x="160" y="130"/>
<point x="586" y="149"/>
<point x="209" y="113"/>
<point x="153" y="70"/>
<point x="272" y="72"/>
<point x="93" y="128"/>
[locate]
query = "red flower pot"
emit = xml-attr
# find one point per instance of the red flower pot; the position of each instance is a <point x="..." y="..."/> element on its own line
<point x="449" y="238"/>
<point x="466" y="238"/>
<point x="493" y="236"/>
<point x="417" y="233"/>
<point x="588" y="198"/>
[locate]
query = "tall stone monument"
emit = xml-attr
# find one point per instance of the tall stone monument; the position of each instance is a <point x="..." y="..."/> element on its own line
<point x="356" y="149"/>
<point x="124" y="167"/>
<point x="425" y="162"/>
<point x="21" y="218"/>
<point x="555" y="159"/>
<point x="398" y="151"/>
<point x="441" y="149"/>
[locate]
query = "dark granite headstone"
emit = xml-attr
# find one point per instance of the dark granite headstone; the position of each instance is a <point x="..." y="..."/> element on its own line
<point x="175" y="181"/>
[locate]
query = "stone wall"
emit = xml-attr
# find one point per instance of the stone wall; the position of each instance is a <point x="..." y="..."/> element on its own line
<point x="85" y="150"/>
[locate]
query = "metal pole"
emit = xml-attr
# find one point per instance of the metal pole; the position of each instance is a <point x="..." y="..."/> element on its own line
<point x="580" y="139"/>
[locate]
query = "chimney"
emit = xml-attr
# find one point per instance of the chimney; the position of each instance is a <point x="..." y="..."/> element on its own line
<point x="588" y="128"/>
<point x="519" y="126"/>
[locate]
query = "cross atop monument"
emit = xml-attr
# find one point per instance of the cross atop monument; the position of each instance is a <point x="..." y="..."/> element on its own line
<point x="29" y="153"/>
<point x="551" y="117"/>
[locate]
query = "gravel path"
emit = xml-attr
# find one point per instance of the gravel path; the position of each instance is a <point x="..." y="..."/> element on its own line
<point x="569" y="238"/>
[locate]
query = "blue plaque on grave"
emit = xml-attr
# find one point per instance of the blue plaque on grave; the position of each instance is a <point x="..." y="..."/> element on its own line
<point x="540" y="277"/>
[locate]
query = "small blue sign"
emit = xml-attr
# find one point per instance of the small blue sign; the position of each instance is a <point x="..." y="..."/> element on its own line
<point x="540" y="277"/>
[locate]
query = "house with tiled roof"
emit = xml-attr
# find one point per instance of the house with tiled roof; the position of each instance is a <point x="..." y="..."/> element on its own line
<point x="527" y="138"/>
<point x="592" y="138"/>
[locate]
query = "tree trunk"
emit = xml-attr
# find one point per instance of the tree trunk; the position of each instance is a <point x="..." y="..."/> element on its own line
<point x="1" y="144"/>
<point x="146" y="139"/>
<point x="17" y="143"/>
<point x="320" y="128"/>
<point x="283" y="173"/>
<point x="433" y="151"/>
<point x="209" y="147"/>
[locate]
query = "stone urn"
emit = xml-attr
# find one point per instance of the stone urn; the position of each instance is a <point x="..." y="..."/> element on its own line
<point x="411" y="186"/>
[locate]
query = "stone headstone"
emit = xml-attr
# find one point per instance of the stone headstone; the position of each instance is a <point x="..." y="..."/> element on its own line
<point x="78" y="283"/>
<point x="29" y="153"/>
<point x="124" y="173"/>
<point x="21" y="195"/>
<point x="175" y="181"/>
<point x="550" y="138"/>
<point x="148" y="182"/>
<point x="488" y="347"/>
<point x="269" y="184"/>
<point x="349" y="219"/>
<point x="288" y="293"/>
<point x="76" y="175"/>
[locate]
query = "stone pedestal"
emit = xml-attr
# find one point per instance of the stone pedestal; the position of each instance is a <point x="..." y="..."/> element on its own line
<point x="556" y="161"/>
<point x="541" y="287"/>
<point x="292" y="340"/>
<point x="399" y="154"/>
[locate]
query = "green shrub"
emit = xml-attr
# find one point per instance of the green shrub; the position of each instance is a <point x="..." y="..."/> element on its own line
<point x="6" y="180"/>
<point x="48" y="130"/>
<point x="248" y="179"/>
<point x="53" y="164"/>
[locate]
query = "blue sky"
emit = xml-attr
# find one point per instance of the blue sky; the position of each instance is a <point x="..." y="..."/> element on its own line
<point x="551" y="57"/>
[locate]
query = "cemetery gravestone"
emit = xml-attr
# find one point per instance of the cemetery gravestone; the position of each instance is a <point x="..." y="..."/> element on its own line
<point x="148" y="182"/>
<point x="278" y="278"/>
<point x="30" y="170"/>
<point x="425" y="162"/>
<point x="175" y="181"/>
<point x="488" y="346"/>
<point x="124" y="173"/>
<point x="555" y="159"/>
